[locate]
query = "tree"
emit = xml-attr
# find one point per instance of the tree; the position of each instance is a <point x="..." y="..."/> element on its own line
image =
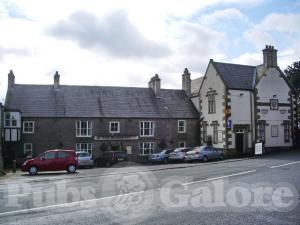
<point x="293" y="74"/>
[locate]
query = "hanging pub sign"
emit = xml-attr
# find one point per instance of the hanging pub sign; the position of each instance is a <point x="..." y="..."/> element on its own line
<point x="228" y="125"/>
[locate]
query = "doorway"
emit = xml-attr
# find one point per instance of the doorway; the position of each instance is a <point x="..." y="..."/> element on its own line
<point x="239" y="140"/>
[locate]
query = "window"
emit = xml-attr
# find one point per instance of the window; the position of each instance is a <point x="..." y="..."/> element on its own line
<point x="114" y="127"/>
<point x="83" y="128"/>
<point x="204" y="132"/>
<point x="147" y="128"/>
<point x="261" y="131"/>
<point x="62" y="155"/>
<point x="215" y="132"/>
<point x="274" y="130"/>
<point x="274" y="104"/>
<point x="84" y="147"/>
<point x="50" y="155"/>
<point x="181" y="144"/>
<point x="211" y="102"/>
<point x="28" y="127"/>
<point x="12" y="119"/>
<point x="28" y="150"/>
<point x="181" y="126"/>
<point x="146" y="148"/>
<point x="286" y="125"/>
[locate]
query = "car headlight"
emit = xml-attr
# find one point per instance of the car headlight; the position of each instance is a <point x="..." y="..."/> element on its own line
<point x="25" y="163"/>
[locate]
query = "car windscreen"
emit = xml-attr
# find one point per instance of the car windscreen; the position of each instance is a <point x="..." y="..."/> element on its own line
<point x="83" y="154"/>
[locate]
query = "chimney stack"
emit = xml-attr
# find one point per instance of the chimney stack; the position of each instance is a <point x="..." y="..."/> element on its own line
<point x="56" y="80"/>
<point x="11" y="80"/>
<point x="186" y="81"/>
<point x="270" y="57"/>
<point x="154" y="83"/>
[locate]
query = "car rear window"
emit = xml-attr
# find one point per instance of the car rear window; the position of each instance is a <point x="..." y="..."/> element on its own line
<point x="120" y="154"/>
<point x="62" y="155"/>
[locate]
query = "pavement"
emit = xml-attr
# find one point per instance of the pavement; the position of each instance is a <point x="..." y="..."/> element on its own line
<point x="258" y="190"/>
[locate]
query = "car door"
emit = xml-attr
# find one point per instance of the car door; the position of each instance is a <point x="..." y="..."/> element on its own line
<point x="210" y="153"/>
<point x="214" y="153"/>
<point x="61" y="160"/>
<point x="49" y="161"/>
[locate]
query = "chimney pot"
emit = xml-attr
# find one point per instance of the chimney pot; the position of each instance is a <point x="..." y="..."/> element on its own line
<point x="154" y="84"/>
<point x="56" y="80"/>
<point x="11" y="80"/>
<point x="186" y="81"/>
<point x="270" y="57"/>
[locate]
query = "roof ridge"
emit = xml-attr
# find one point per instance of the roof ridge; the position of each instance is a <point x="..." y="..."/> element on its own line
<point x="234" y="64"/>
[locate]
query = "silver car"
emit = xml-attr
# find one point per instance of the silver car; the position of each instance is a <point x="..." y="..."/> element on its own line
<point x="204" y="153"/>
<point x="178" y="154"/>
<point x="85" y="159"/>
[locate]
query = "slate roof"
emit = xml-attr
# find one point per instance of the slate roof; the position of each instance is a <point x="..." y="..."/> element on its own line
<point x="97" y="101"/>
<point x="195" y="85"/>
<point x="236" y="76"/>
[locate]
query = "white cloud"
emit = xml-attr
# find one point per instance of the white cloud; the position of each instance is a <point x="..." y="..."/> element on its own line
<point x="249" y="59"/>
<point x="281" y="22"/>
<point x="258" y="37"/>
<point x="222" y="16"/>
<point x="113" y="33"/>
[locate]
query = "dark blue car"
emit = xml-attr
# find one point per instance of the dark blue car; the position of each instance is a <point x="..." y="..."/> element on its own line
<point x="162" y="157"/>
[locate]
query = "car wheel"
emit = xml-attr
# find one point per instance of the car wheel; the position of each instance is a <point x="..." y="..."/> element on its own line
<point x="71" y="168"/>
<point x="221" y="157"/>
<point x="33" y="170"/>
<point x="166" y="161"/>
<point x="204" y="158"/>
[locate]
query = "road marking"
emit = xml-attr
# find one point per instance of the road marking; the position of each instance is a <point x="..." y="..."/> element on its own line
<point x="286" y="164"/>
<point x="217" y="178"/>
<point x="65" y="204"/>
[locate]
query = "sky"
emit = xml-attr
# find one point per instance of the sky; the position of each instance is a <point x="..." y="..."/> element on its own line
<point x="126" y="42"/>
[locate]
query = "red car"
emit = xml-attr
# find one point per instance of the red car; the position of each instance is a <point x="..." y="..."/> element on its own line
<point x="52" y="160"/>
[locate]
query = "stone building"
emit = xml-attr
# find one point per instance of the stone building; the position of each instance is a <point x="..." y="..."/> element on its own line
<point x="97" y="118"/>
<point x="240" y="105"/>
<point x="1" y="152"/>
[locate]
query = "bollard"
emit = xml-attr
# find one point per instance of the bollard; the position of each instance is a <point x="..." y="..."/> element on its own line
<point x="14" y="166"/>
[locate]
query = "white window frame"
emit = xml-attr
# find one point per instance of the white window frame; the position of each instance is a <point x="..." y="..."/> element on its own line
<point x="24" y="126"/>
<point x="181" y="146"/>
<point x="215" y="133"/>
<point x="143" y="147"/>
<point x="110" y="126"/>
<point x="211" y="97"/>
<point x="181" y="126"/>
<point x="142" y="129"/>
<point x="12" y="117"/>
<point x="25" y="150"/>
<point x="84" y="147"/>
<point x="88" y="129"/>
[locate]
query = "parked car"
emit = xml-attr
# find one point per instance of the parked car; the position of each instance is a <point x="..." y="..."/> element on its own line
<point x="52" y="160"/>
<point x="110" y="158"/>
<point x="85" y="159"/>
<point x="204" y="153"/>
<point x="178" y="154"/>
<point x="162" y="156"/>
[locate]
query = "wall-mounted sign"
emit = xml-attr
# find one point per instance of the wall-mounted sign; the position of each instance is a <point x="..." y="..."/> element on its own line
<point x="121" y="138"/>
<point x="282" y="111"/>
<point x="258" y="149"/>
<point x="264" y="111"/>
<point x="229" y="123"/>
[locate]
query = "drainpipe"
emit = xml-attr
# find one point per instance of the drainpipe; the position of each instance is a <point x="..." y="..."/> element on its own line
<point x="251" y="123"/>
